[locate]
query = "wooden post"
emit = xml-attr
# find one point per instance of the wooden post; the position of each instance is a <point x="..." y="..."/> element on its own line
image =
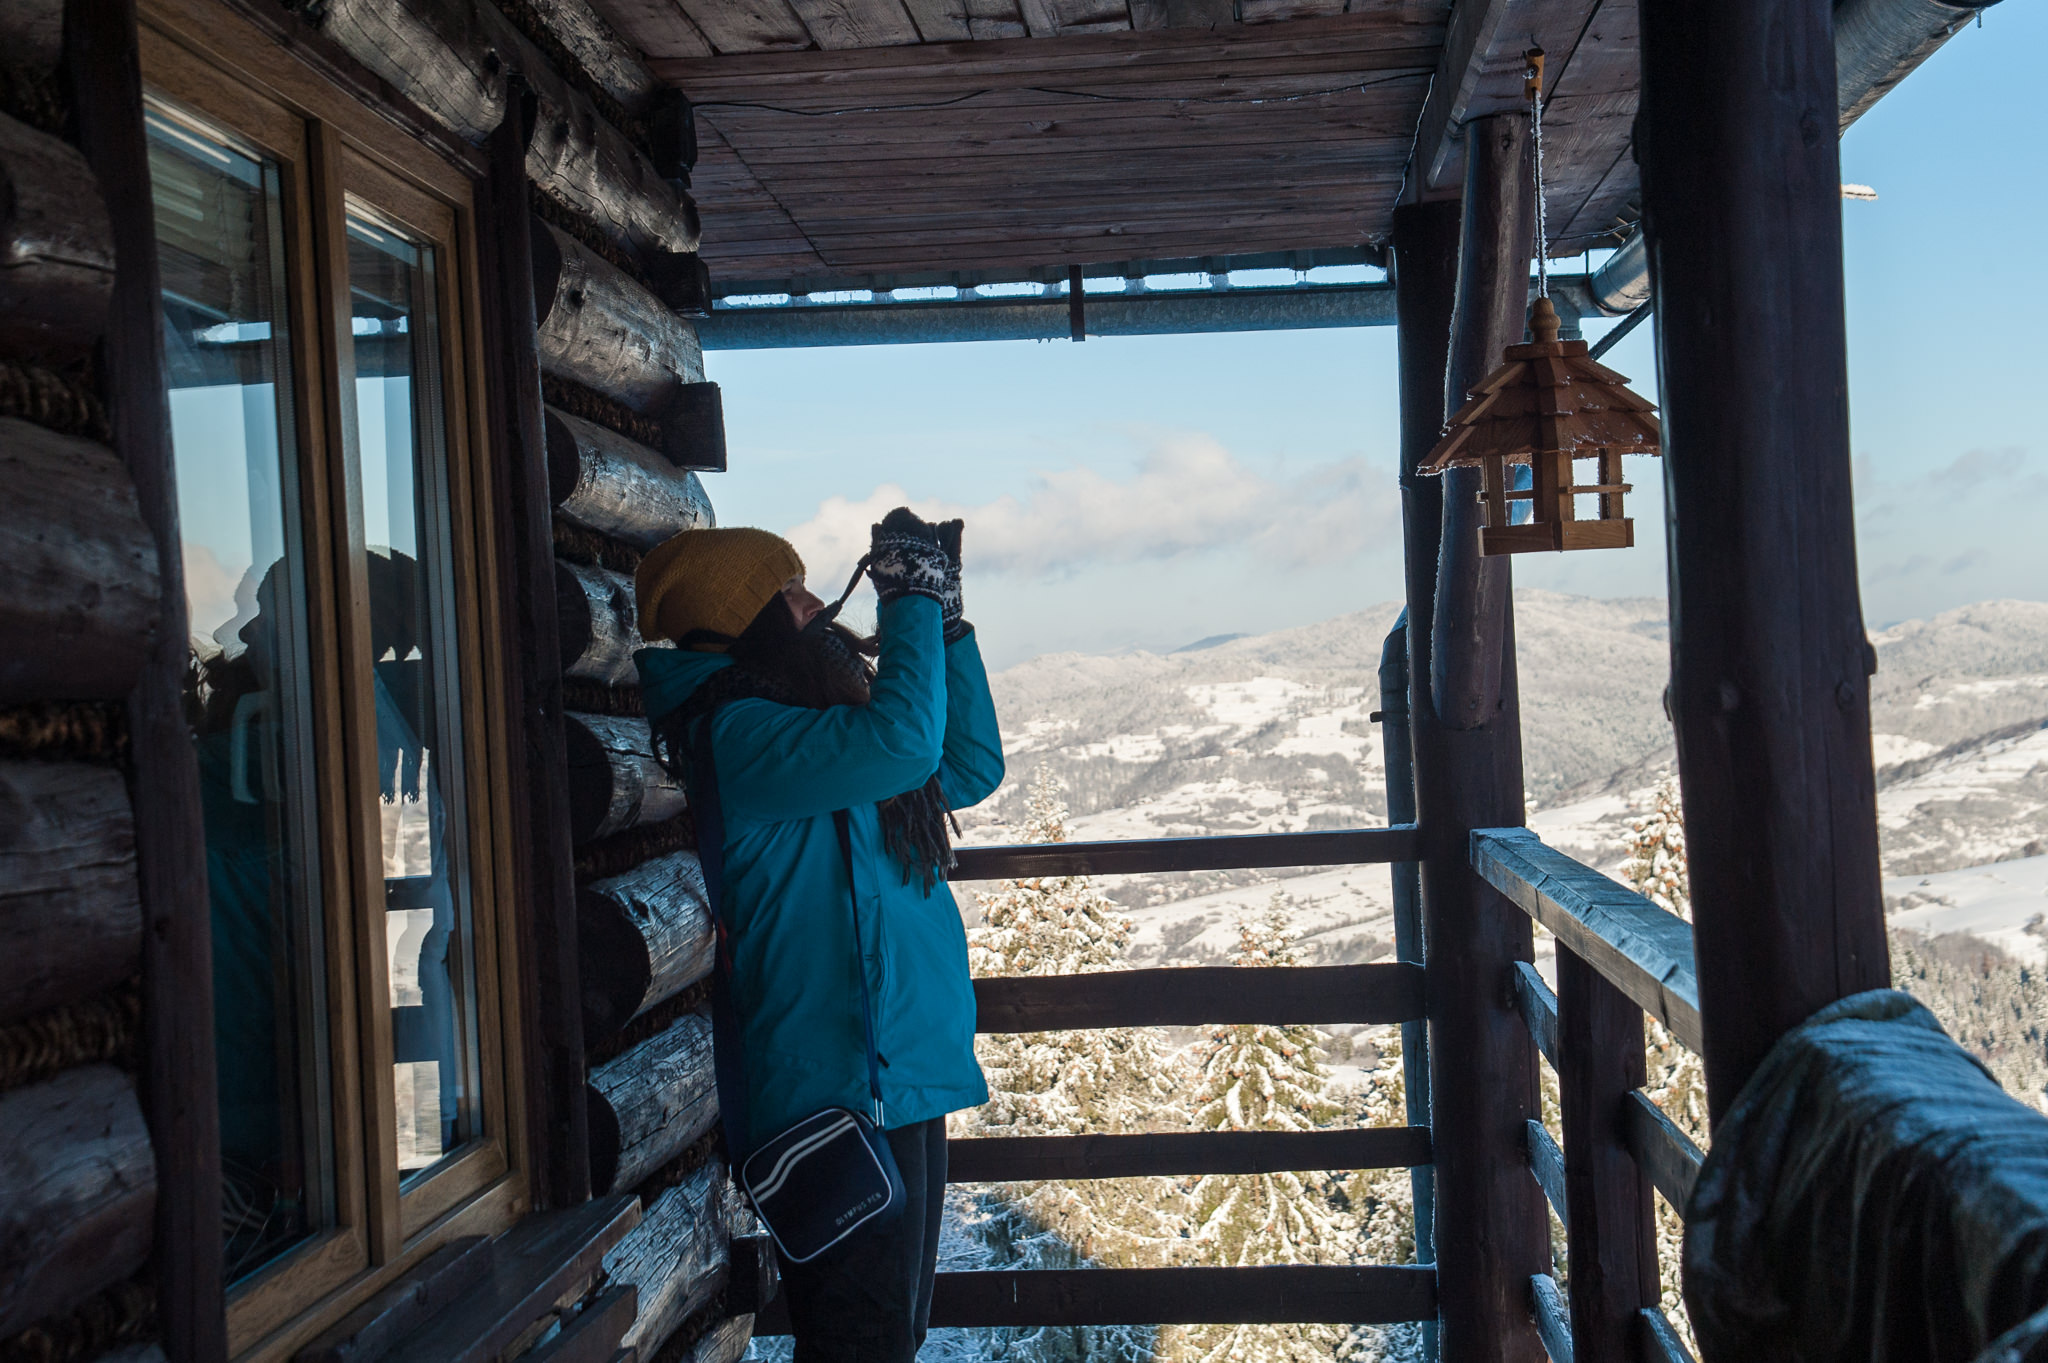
<point x="1613" y="1237"/>
<point x="1491" y="1228"/>
<point x="1770" y="661"/>
<point x="550" y="983"/>
<point x="178" y="1090"/>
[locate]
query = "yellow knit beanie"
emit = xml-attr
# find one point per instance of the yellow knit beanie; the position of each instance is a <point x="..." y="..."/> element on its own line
<point x="711" y="579"/>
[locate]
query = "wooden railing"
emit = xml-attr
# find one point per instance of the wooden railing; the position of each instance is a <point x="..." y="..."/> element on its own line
<point x="1198" y="996"/>
<point x="1618" y="956"/>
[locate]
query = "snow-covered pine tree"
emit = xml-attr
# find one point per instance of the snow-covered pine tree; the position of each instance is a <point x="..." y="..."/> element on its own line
<point x="1068" y="1083"/>
<point x="1383" y="1204"/>
<point x="1656" y="869"/>
<point x="1264" y="1077"/>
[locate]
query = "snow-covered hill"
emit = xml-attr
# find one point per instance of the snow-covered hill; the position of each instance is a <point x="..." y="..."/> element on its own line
<point x="1272" y="733"/>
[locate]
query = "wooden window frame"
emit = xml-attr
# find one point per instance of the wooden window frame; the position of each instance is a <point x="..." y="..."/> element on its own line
<point x="333" y="154"/>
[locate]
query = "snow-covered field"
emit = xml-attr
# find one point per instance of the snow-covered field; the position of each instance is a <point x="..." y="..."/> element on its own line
<point x="2005" y="903"/>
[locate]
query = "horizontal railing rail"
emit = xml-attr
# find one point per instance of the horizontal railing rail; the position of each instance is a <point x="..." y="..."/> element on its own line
<point x="1546" y="1162"/>
<point x="1197" y="996"/>
<point x="1229" y="852"/>
<point x="1660" y="1343"/>
<point x="1661" y="1150"/>
<point x="1553" y="1317"/>
<point x="1018" y="1159"/>
<point x="1363" y="1294"/>
<point x="1538" y="1007"/>
<point x="1642" y="950"/>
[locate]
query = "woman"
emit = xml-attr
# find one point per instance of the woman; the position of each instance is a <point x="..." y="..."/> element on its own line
<point x="766" y="685"/>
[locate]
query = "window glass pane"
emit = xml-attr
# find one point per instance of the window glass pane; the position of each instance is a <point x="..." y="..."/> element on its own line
<point x="221" y="243"/>
<point x="400" y="449"/>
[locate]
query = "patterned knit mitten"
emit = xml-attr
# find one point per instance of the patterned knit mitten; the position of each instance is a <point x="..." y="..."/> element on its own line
<point x="904" y="559"/>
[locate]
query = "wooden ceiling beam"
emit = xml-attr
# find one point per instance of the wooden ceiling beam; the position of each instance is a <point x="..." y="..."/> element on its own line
<point x="1396" y="26"/>
<point x="1469" y="41"/>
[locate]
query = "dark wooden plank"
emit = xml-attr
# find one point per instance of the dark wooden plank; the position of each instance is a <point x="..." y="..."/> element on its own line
<point x="1661" y="1343"/>
<point x="776" y="76"/>
<point x="370" y="1331"/>
<point x="1770" y="658"/>
<point x="1553" y="1324"/>
<point x="593" y="1334"/>
<point x="549" y="982"/>
<point x="70" y="918"/>
<point x="55" y="238"/>
<point x="179" y="1095"/>
<point x="1612" y="1231"/>
<point x="1667" y="1155"/>
<point x="79" y="587"/>
<point x="534" y="1263"/>
<point x="1198" y="996"/>
<point x="1474" y="29"/>
<point x="1376" y="1295"/>
<point x="1019" y="1159"/>
<point x="1345" y="847"/>
<point x="1645" y="951"/>
<point x="1538" y="1007"/>
<point x="1492" y="1232"/>
<point x="1546" y="1163"/>
<point x="77" y="1183"/>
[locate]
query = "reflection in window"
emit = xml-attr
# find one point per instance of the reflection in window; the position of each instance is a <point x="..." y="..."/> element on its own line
<point x="220" y="240"/>
<point x="400" y="422"/>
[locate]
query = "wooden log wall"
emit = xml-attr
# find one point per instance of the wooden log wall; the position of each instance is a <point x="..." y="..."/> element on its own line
<point x="650" y="1104"/>
<point x="55" y="242"/>
<point x="77" y="1191"/>
<point x="678" y="1256"/>
<point x="598" y="631"/>
<point x="646" y="936"/>
<point x="95" y="929"/>
<point x="613" y="485"/>
<point x="603" y="329"/>
<point x="70" y="910"/>
<point x="78" y="572"/>
<point x="615" y="783"/>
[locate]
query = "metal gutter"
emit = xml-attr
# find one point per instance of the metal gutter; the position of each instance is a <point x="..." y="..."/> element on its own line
<point x="1142" y="312"/>
<point x="1286" y="308"/>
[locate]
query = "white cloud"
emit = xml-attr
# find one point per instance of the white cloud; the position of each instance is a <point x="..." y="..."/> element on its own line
<point x="1189" y="495"/>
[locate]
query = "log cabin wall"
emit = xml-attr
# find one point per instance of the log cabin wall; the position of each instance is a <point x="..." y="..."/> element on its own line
<point x="105" y="1027"/>
<point x="84" y="610"/>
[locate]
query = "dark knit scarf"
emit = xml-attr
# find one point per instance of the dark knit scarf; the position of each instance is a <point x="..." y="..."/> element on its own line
<point x="913" y="824"/>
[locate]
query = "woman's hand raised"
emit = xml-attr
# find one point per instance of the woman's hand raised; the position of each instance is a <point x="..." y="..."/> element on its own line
<point x="910" y="556"/>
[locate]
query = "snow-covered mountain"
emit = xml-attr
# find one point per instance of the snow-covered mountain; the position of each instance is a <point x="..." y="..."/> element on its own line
<point x="1271" y="733"/>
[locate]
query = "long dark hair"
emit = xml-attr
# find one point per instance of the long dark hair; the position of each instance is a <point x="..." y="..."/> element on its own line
<point x="816" y="666"/>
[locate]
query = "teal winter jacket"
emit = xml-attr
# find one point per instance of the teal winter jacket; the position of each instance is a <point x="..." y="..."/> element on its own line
<point x="782" y="772"/>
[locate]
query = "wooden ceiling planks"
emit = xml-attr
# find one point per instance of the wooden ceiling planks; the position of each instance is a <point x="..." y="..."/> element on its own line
<point x="1587" y="117"/>
<point x="1028" y="153"/>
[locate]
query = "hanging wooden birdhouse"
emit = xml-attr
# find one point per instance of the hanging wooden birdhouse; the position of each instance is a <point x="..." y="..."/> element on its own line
<point x="1548" y="406"/>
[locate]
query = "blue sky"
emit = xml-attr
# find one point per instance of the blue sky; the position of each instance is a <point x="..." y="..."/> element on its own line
<point x="1146" y="492"/>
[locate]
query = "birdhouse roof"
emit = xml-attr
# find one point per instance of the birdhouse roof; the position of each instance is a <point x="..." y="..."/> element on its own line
<point x="1547" y="395"/>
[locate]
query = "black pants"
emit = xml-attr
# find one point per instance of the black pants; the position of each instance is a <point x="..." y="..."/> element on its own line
<point x="869" y="1299"/>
